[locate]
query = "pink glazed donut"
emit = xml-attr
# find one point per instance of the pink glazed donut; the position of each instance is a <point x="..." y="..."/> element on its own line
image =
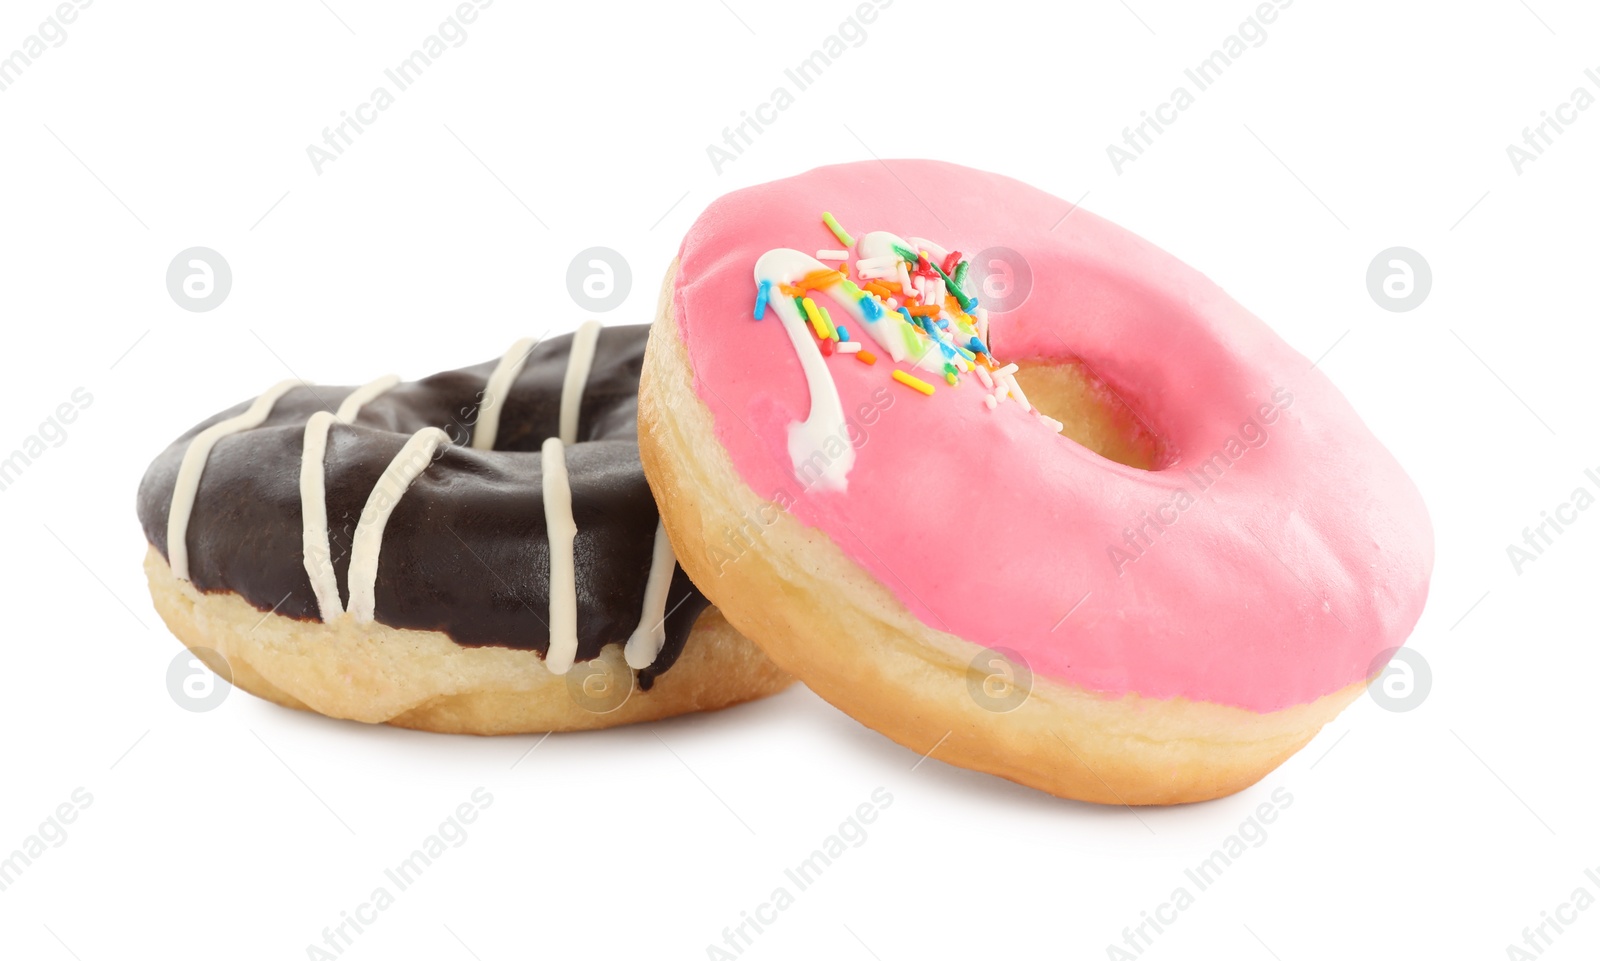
<point x="1017" y="487"/>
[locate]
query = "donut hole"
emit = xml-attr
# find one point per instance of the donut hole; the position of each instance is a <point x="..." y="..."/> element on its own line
<point x="1091" y="413"/>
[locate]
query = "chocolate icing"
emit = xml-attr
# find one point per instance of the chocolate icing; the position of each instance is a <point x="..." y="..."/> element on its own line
<point x="465" y="551"/>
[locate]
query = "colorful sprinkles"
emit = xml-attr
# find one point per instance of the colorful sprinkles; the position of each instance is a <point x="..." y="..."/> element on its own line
<point x="914" y="299"/>
<point x="914" y="383"/>
<point x="844" y="238"/>
<point x="809" y="308"/>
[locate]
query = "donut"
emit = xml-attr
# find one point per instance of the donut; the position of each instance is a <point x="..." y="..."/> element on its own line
<point x="475" y="552"/>
<point x="1016" y="488"/>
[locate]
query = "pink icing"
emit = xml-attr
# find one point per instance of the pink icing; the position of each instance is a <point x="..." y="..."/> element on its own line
<point x="1304" y="560"/>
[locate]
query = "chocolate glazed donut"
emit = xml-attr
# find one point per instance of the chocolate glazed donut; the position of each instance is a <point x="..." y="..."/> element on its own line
<point x="501" y="505"/>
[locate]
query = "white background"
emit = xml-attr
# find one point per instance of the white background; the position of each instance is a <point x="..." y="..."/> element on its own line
<point x="444" y="233"/>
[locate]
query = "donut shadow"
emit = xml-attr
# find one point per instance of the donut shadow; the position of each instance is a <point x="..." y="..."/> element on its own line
<point x="802" y="709"/>
<point x="958" y="782"/>
<point x="796" y="709"/>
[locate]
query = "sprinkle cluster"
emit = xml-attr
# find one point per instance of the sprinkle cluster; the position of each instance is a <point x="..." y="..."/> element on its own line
<point x="921" y="295"/>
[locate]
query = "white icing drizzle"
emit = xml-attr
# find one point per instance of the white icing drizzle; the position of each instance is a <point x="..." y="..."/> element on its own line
<point x="890" y="331"/>
<point x="651" y="635"/>
<point x="645" y="644"/>
<point x="187" y="484"/>
<point x="364" y="395"/>
<point x="562" y="530"/>
<point x="367" y="543"/>
<point x="810" y="437"/>
<point x="579" y="362"/>
<point x="495" y="390"/>
<point x="317" y="554"/>
<point x="920" y="243"/>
